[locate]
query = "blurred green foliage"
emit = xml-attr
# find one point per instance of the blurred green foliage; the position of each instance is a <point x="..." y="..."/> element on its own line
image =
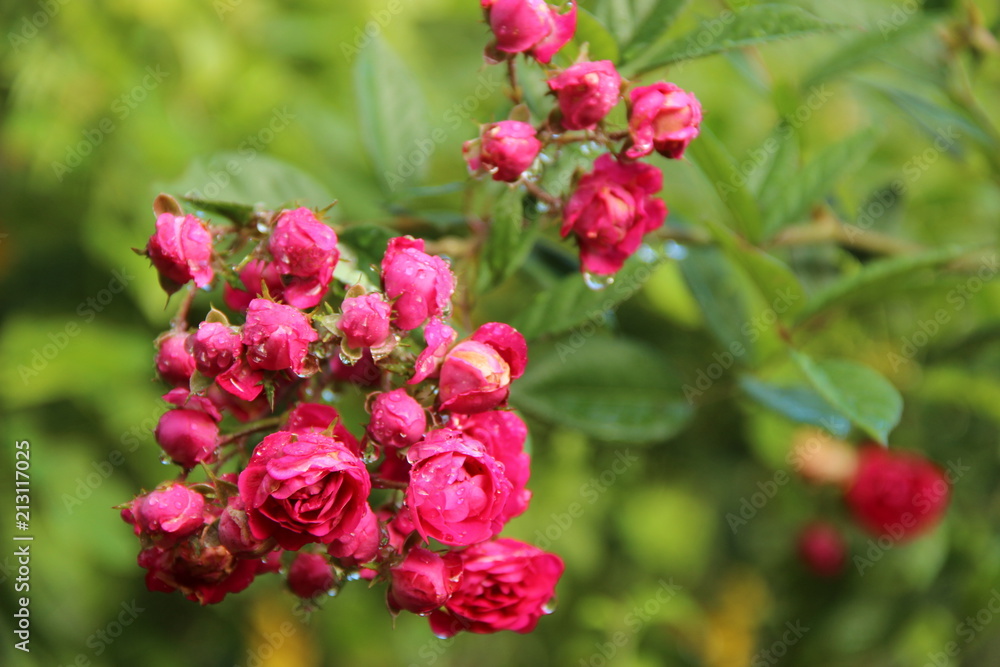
<point x="875" y="114"/>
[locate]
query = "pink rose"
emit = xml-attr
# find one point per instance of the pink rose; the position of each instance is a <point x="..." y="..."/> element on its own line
<point x="304" y="249"/>
<point x="255" y="276"/>
<point x="505" y="149"/>
<point x="235" y="535"/>
<point x="173" y="361"/>
<point x="505" y="585"/>
<point x="423" y="581"/>
<point x="203" y="572"/>
<point x="397" y="419"/>
<point x="418" y="285"/>
<point x="476" y="374"/>
<point x="302" y="488"/>
<point x="318" y="418"/>
<point x="503" y="434"/>
<point x="529" y="26"/>
<point x="241" y="381"/>
<point x="361" y="544"/>
<point x="215" y="348"/>
<point x="439" y="338"/>
<point x="187" y="436"/>
<point x="181" y="250"/>
<point x="310" y="575"/>
<point x="457" y="491"/>
<point x="167" y="514"/>
<point x="610" y="211"/>
<point x="662" y="117"/>
<point x="586" y="93"/>
<point x="277" y="337"/>
<point x="365" y="321"/>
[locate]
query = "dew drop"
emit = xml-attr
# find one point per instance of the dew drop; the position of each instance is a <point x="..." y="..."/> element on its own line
<point x="549" y="606"/>
<point x="541" y="207"/>
<point x="328" y="395"/>
<point x="675" y="250"/>
<point x="597" y="282"/>
<point x="353" y="576"/>
<point x="646" y="253"/>
<point x="164" y="459"/>
<point x="262" y="227"/>
<point x="346" y="360"/>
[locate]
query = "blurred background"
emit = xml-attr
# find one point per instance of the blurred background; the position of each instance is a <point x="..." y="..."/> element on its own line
<point x="105" y="104"/>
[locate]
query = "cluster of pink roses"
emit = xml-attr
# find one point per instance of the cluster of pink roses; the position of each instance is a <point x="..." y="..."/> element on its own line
<point x="418" y="501"/>
<point x="612" y="207"/>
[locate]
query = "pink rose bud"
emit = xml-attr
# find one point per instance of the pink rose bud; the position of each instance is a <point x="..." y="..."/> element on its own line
<point x="503" y="434"/>
<point x="423" y="581"/>
<point x="418" y="285"/>
<point x="277" y="337"/>
<point x="505" y="149"/>
<point x="476" y="373"/>
<point x="662" y="117"/>
<point x="822" y="549"/>
<point x="397" y="419"/>
<point x="234" y="532"/>
<point x="302" y="488"/>
<point x="215" y="347"/>
<point x="187" y="436"/>
<point x="181" y="250"/>
<point x="319" y="418"/>
<point x="586" y="93"/>
<point x="254" y="276"/>
<point x="310" y="575"/>
<point x="171" y="512"/>
<point x="505" y="585"/>
<point x="241" y="381"/>
<point x="303" y="246"/>
<point x="365" y="321"/>
<point x="529" y="26"/>
<point x="610" y="211"/>
<point x="360" y="545"/>
<point x="173" y="361"/>
<point x="457" y="492"/>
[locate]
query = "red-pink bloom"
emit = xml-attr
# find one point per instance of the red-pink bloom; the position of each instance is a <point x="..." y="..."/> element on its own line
<point x="897" y="493"/>
<point x="241" y="381"/>
<point x="256" y="275"/>
<point x="203" y="572"/>
<point x="187" y="436"/>
<point x="215" y="348"/>
<point x="418" y="285"/>
<point x="611" y="210"/>
<point x="181" y="250"/>
<point x="277" y="337"/>
<point x="529" y="26"/>
<point x="822" y="549"/>
<point x="361" y="544"/>
<point x="318" y="418"/>
<point x="167" y="514"/>
<point x="457" y="491"/>
<point x="397" y="419"/>
<point x="365" y="320"/>
<point x="505" y="585"/>
<point x="310" y="575"/>
<point x="439" y="338"/>
<point x="302" y="488"/>
<point x="305" y="250"/>
<point x="586" y="93"/>
<point x="173" y="361"/>
<point x="234" y="532"/>
<point x="504" y="434"/>
<point x="476" y="374"/>
<point x="423" y="581"/>
<point x="505" y="149"/>
<point x="662" y="117"/>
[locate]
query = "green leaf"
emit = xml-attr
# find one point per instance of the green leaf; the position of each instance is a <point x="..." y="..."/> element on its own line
<point x="368" y="243"/>
<point x="860" y="393"/>
<point x="393" y="116"/>
<point x="612" y="389"/>
<point x="719" y="291"/>
<point x="784" y="162"/>
<point x="791" y="202"/>
<point x="718" y="166"/>
<point x="755" y="25"/>
<point x="798" y="403"/>
<point x="872" y="280"/>
<point x="241" y="214"/>
<point x="652" y="21"/>
<point x="509" y="239"/>
<point x="601" y="45"/>
<point x="570" y="302"/>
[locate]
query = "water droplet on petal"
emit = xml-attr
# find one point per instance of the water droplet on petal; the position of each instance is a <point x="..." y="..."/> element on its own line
<point x="597" y="282"/>
<point x="549" y="606"/>
<point x="346" y="360"/>
<point x="164" y="459"/>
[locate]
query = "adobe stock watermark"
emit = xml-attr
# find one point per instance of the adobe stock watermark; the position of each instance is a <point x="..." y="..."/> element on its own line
<point x="31" y="25"/>
<point x="273" y="641"/>
<point x="87" y="310"/>
<point x="590" y="492"/>
<point x="897" y="18"/>
<point x="923" y="502"/>
<point x="121" y="108"/>
<point x="757" y="157"/>
<point x="967" y="630"/>
<point x="751" y="330"/>
<point x="247" y="150"/>
<point x="379" y="20"/>
<point x="102" y="638"/>
<point x="766" y="657"/>
<point x="410" y="160"/>
<point x="635" y="620"/>
<point x="958" y="297"/>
